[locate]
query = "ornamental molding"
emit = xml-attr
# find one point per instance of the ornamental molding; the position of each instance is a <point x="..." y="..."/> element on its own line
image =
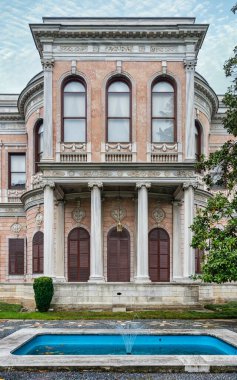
<point x="78" y="214"/>
<point x="118" y="214"/>
<point x="16" y="228"/>
<point x="164" y="147"/>
<point x="118" y="147"/>
<point x="37" y="181"/>
<point x="189" y="64"/>
<point x="206" y="91"/>
<point x="139" y="185"/>
<point x="48" y="32"/>
<point x="91" y="185"/>
<point x="118" y="174"/>
<point x="39" y="217"/>
<point x="72" y="147"/>
<point x="28" y="92"/>
<point x="47" y="64"/>
<point x="11" y="117"/>
<point x="158" y="214"/>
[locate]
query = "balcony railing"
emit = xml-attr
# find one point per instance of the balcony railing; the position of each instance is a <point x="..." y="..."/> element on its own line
<point x="120" y="152"/>
<point x="73" y="152"/>
<point x="163" y="152"/>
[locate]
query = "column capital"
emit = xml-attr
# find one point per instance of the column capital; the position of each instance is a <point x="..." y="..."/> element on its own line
<point x="189" y="64"/>
<point x="91" y="185"/>
<point x="187" y="185"/>
<point x="176" y="203"/>
<point x="48" y="183"/>
<point x="47" y="64"/>
<point x="139" y="185"/>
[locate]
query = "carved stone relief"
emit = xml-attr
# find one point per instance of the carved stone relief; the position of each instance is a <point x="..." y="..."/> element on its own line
<point x="78" y="214"/>
<point x="118" y="214"/>
<point x="158" y="215"/>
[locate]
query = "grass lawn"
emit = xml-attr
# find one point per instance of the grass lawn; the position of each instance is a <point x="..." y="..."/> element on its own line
<point x="223" y="311"/>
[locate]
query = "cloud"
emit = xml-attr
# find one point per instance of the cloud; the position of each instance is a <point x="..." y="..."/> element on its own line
<point x="20" y="59"/>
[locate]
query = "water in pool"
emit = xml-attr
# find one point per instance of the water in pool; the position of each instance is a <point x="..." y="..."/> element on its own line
<point x="114" y="345"/>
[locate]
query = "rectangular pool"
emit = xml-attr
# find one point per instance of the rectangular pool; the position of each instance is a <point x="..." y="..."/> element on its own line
<point x="75" y="344"/>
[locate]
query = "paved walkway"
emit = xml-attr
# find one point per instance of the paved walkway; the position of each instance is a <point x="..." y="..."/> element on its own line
<point x="9" y="326"/>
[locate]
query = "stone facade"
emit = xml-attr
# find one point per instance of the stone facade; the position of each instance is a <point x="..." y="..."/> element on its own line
<point x="128" y="196"/>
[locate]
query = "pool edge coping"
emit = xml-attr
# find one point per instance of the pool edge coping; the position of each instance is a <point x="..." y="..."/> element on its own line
<point x="188" y="363"/>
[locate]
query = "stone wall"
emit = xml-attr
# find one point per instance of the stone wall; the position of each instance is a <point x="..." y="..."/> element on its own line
<point x="133" y="296"/>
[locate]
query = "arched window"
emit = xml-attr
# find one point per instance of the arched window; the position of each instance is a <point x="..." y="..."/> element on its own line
<point x="198" y="140"/>
<point x="38" y="252"/>
<point x="39" y="143"/>
<point x="119" y="111"/>
<point x="163" y="112"/>
<point x="74" y="111"/>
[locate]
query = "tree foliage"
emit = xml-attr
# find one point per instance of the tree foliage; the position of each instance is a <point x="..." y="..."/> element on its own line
<point x="215" y="227"/>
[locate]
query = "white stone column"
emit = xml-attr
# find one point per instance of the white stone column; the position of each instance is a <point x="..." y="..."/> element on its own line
<point x="142" y="274"/>
<point x="48" y="109"/>
<point x="177" y="259"/>
<point x="96" y="252"/>
<point x="189" y="125"/>
<point x="189" y="256"/>
<point x="49" y="269"/>
<point x="59" y="251"/>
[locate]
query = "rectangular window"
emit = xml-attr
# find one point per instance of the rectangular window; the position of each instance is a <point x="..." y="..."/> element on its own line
<point x="17" y="170"/>
<point x="16" y="256"/>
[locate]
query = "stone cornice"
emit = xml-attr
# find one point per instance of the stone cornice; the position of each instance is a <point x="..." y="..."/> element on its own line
<point x="42" y="33"/>
<point x="28" y="91"/>
<point x="11" y="117"/>
<point x="207" y="91"/>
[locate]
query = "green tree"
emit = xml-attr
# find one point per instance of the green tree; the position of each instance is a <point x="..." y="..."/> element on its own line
<point x="215" y="227"/>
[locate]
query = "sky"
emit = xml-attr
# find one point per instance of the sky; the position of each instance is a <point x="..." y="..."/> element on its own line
<point x="19" y="58"/>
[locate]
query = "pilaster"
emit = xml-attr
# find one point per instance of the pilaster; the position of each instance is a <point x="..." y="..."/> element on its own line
<point x="189" y="65"/>
<point x="59" y="239"/>
<point x="177" y="259"/>
<point x="48" y="108"/>
<point x="49" y="269"/>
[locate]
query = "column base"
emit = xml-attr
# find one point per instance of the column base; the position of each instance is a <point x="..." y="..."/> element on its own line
<point x="96" y="279"/>
<point x="142" y="280"/>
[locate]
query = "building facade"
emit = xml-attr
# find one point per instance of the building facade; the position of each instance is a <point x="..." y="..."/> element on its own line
<point x="98" y="154"/>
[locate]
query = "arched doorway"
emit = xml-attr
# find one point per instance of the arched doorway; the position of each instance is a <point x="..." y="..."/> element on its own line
<point x="118" y="255"/>
<point x="38" y="252"/>
<point x="78" y="255"/>
<point x="159" y="255"/>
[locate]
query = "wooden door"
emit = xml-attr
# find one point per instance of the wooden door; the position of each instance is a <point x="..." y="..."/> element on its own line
<point x="78" y="255"/>
<point x="38" y="252"/>
<point x="118" y="256"/>
<point x="159" y="255"/>
<point x="199" y="257"/>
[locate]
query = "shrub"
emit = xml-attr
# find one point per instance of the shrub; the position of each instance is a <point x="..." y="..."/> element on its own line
<point x="43" y="289"/>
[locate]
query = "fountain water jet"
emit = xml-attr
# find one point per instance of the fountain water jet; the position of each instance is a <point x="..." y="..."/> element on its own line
<point x="128" y="331"/>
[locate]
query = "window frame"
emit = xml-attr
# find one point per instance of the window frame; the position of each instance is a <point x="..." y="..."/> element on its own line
<point x="199" y="135"/>
<point x="174" y="118"/>
<point x="128" y="83"/>
<point x="38" y="124"/>
<point x="67" y="80"/>
<point x="10" y="154"/>
<point x="16" y="272"/>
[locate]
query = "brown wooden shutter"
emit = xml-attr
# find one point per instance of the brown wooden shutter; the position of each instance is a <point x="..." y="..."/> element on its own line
<point x="159" y="255"/>
<point x="38" y="252"/>
<point x="118" y="256"/>
<point x="78" y="255"/>
<point x="199" y="255"/>
<point x="16" y="256"/>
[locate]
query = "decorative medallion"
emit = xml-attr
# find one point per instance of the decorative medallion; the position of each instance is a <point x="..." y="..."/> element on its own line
<point x="78" y="214"/>
<point x="39" y="219"/>
<point x="158" y="214"/>
<point x="16" y="228"/>
<point x="118" y="214"/>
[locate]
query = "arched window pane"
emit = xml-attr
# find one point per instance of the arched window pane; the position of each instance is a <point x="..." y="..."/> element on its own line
<point x="118" y="105"/>
<point x="118" y="130"/>
<point x="163" y="87"/>
<point x="163" y="105"/>
<point x="162" y="130"/>
<point x="74" y="105"/>
<point x="118" y="86"/>
<point x="74" y="86"/>
<point x="74" y="130"/>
